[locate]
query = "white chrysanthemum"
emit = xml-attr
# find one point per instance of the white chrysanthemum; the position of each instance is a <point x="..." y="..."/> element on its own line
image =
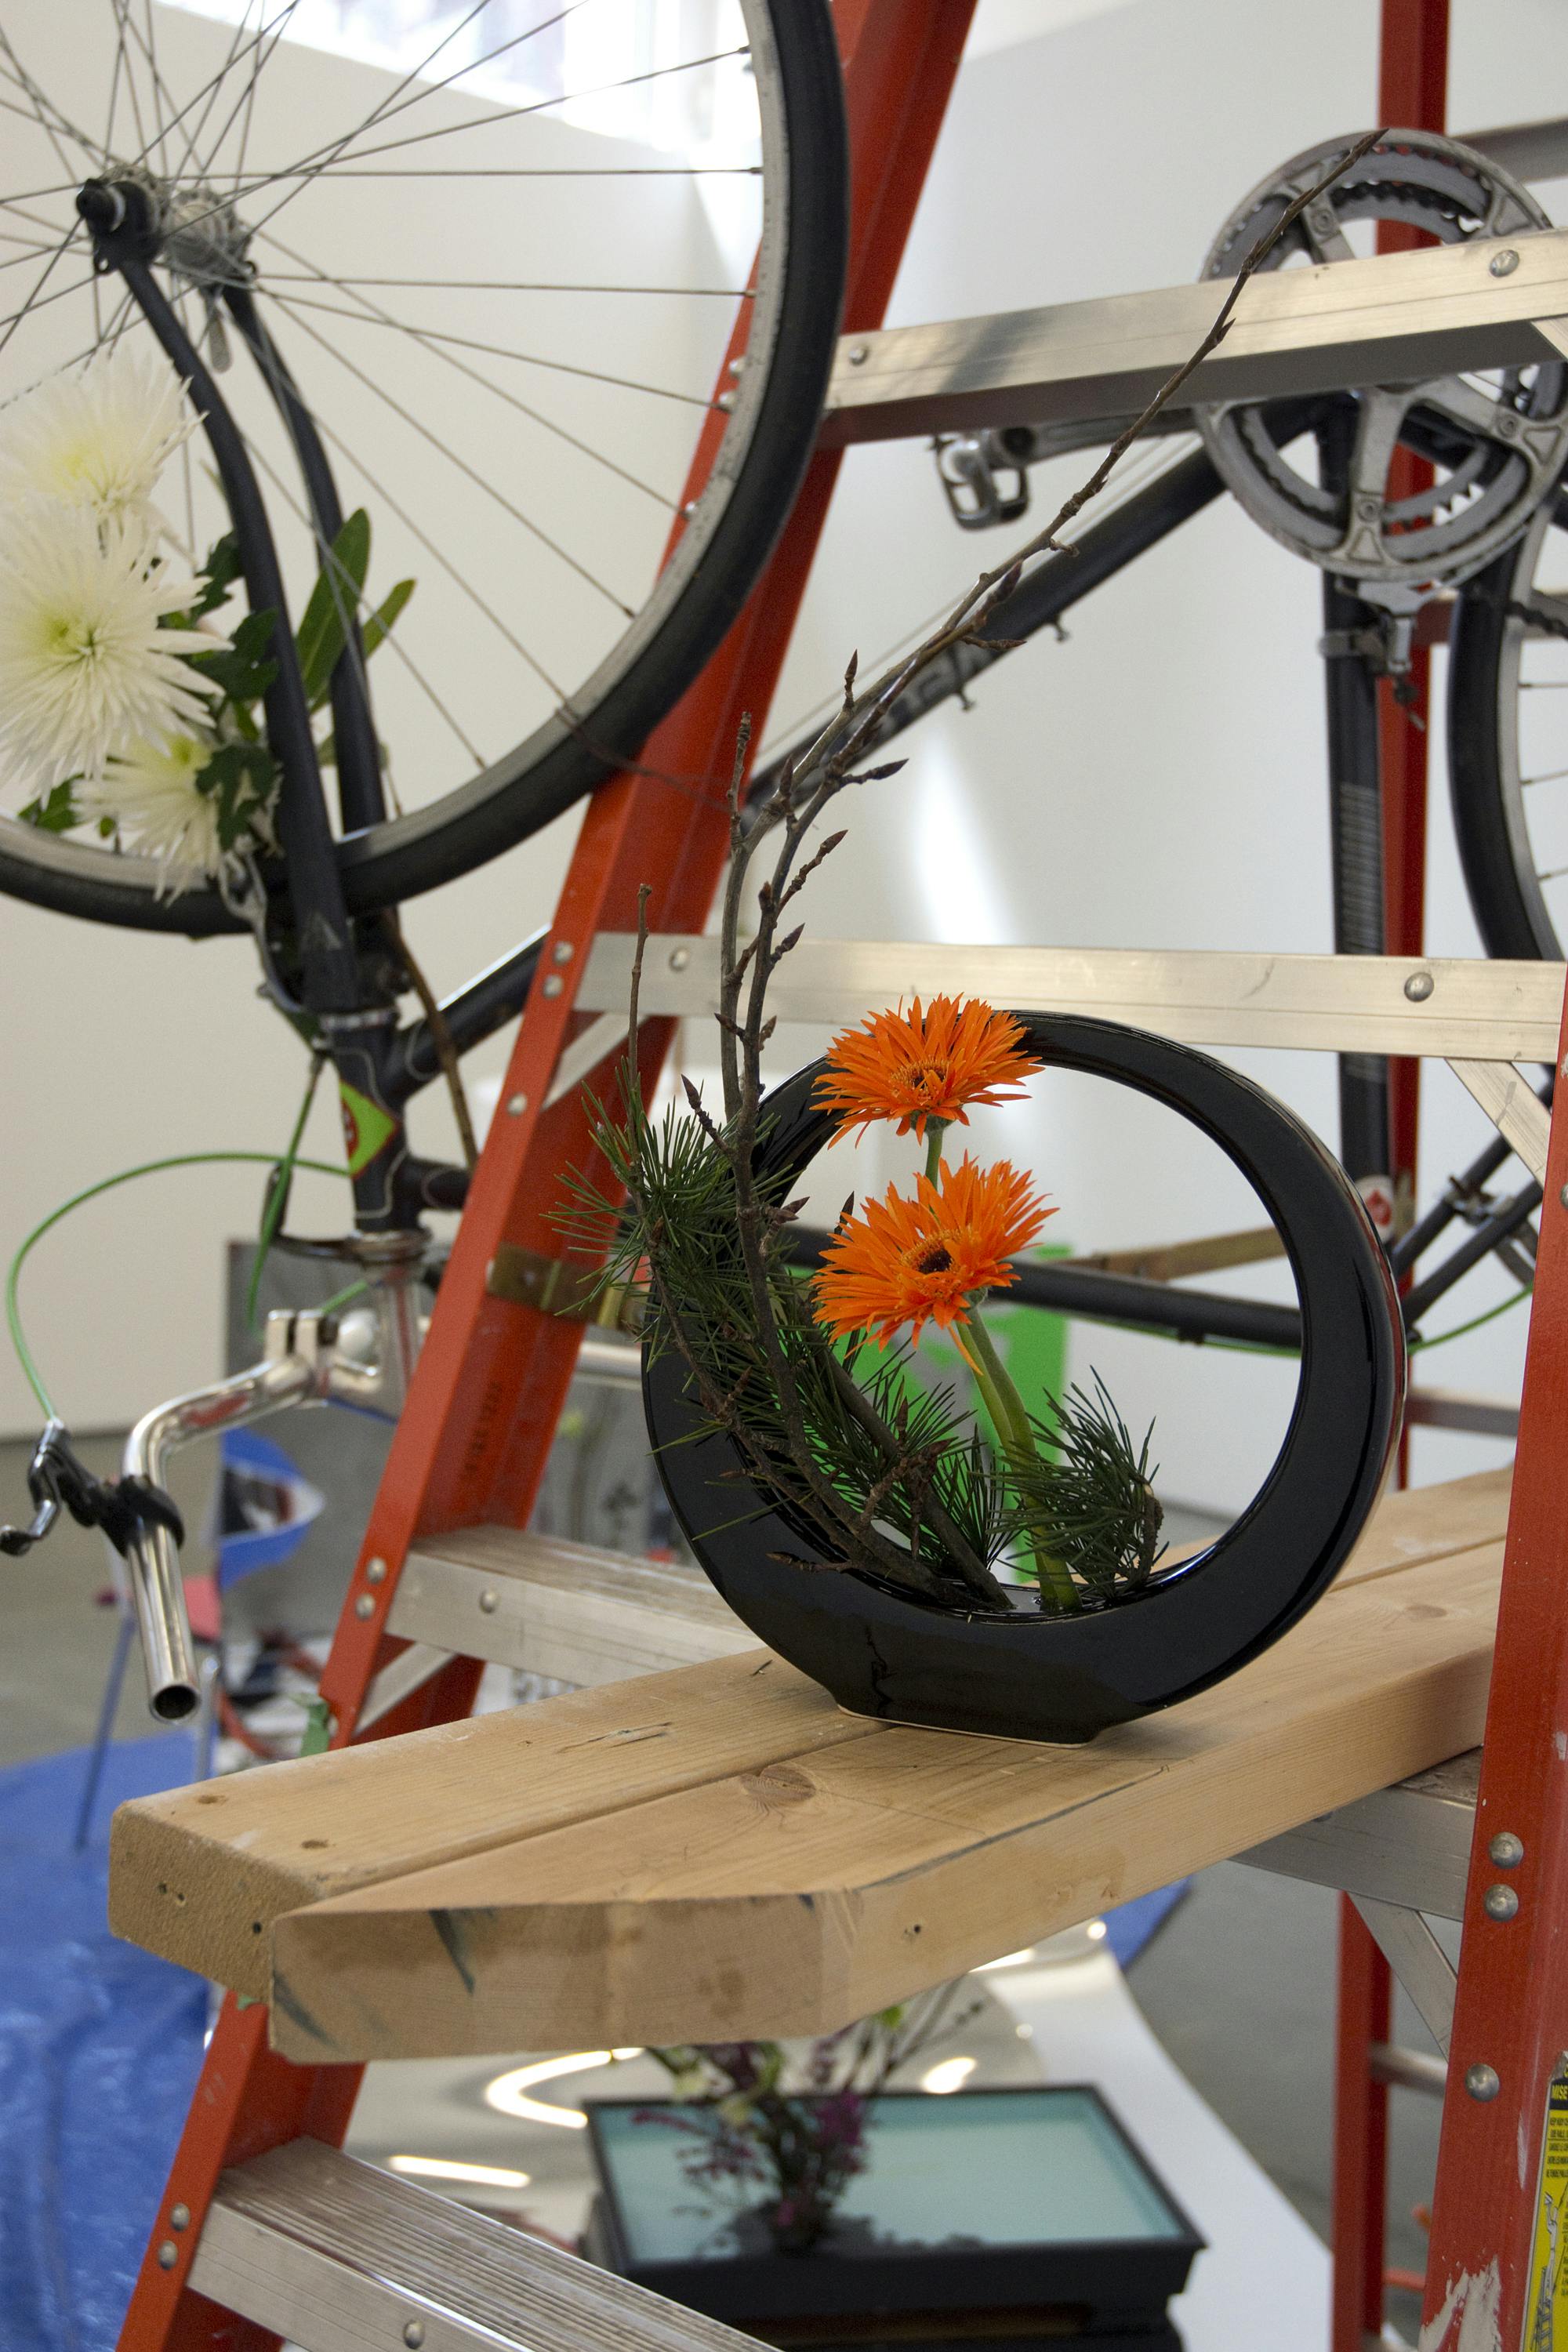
<point x="84" y="665"/>
<point x="150" y="792"/>
<point x="96" y="438"/>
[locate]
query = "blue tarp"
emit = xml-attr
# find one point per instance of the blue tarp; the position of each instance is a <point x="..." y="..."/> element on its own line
<point x="99" y="2048"/>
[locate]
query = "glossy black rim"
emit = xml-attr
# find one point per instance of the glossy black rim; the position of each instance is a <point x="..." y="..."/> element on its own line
<point x="885" y="1653"/>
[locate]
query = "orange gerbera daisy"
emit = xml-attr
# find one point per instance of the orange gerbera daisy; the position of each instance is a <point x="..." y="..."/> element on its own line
<point x="920" y="1261"/>
<point x="930" y="1062"/>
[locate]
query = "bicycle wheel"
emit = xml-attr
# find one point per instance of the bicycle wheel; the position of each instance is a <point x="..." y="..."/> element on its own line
<point x="1508" y="739"/>
<point x="503" y="265"/>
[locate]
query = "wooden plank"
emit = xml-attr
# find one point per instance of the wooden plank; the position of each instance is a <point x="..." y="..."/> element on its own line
<point x="570" y="1611"/>
<point x="1430" y="1522"/>
<point x="791" y="1899"/>
<point x="200" y="1874"/>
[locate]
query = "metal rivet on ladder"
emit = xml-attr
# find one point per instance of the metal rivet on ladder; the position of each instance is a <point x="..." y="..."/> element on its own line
<point x="180" y="2219"/>
<point x="554" y="985"/>
<point x="168" y="2254"/>
<point x="365" y="1606"/>
<point x="1503" y="264"/>
<point x="1482" y="2082"/>
<point x="515" y="1104"/>
<point x="1500" y="1902"/>
<point x="375" y="1569"/>
<point x="726" y="401"/>
<point x="1506" y="1850"/>
<point x="414" y="2335"/>
<point x="680" y="958"/>
<point x="859" y="354"/>
<point x="489" y="1600"/>
<point x="1419" y="987"/>
<point x="563" y="952"/>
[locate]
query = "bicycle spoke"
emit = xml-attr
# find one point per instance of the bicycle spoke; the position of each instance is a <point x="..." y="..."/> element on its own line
<point x="38" y="299"/>
<point x="494" y="284"/>
<point x="471" y="472"/>
<point x="670" y="505"/>
<point x="498" y="351"/>
<point x="458" y="582"/>
<point x="1551" y="776"/>
<point x="516" y="113"/>
<point x="363" y="603"/>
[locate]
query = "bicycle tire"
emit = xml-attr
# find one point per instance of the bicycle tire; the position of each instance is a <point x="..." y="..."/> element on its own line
<point x="1484" y="780"/>
<point x="565" y="758"/>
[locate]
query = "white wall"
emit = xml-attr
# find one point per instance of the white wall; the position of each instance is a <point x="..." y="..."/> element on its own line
<point x="1158" y="779"/>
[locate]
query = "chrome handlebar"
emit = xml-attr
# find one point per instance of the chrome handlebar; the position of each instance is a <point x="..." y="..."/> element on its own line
<point x="363" y="1362"/>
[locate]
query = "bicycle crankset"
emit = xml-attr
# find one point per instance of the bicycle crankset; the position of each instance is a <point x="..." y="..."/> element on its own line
<point x="1496" y="442"/>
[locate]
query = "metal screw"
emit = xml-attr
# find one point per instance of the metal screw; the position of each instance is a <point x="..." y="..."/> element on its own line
<point x="375" y="1569"/>
<point x="515" y="1104"/>
<point x="1506" y="1850"/>
<point x="1500" y="1902"/>
<point x="1325" y="220"/>
<point x="859" y="353"/>
<point x="726" y="401"/>
<point x="180" y="2219"/>
<point x="554" y="985"/>
<point x="489" y="1600"/>
<point x="168" y="2254"/>
<point x="689" y="509"/>
<point x="1369" y="510"/>
<point x="680" y="958"/>
<point x="1482" y="2083"/>
<point x="414" y="2335"/>
<point x="563" y="952"/>
<point x="1507" y="425"/>
<point x="365" y="1606"/>
<point x="736" y="365"/>
<point x="1504" y="264"/>
<point x="1419" y="987"/>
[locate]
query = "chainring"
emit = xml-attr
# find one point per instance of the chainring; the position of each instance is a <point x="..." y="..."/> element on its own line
<point x="1497" y="442"/>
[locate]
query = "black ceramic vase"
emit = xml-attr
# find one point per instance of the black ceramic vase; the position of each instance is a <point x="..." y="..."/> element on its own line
<point x="887" y="1653"/>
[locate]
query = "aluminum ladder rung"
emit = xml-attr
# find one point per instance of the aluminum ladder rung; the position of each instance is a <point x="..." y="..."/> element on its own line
<point x="1408" y="1845"/>
<point x="337" y="2256"/>
<point x="563" y="1610"/>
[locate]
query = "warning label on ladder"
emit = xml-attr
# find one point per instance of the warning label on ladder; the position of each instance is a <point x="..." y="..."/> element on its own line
<point x="1546" y="2311"/>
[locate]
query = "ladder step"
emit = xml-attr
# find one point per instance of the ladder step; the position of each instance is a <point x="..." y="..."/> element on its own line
<point x="567" y="1611"/>
<point x="337" y="2256"/>
<point x="1408" y="1844"/>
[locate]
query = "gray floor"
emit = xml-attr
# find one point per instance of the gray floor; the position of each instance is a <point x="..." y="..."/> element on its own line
<point x="1239" y="1983"/>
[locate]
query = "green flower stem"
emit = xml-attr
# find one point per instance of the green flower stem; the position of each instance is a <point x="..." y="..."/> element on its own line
<point x="1011" y="1419"/>
<point x="935" y="1130"/>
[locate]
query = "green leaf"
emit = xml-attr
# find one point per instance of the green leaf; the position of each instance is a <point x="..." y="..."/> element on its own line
<point x="243" y="780"/>
<point x="379" y="625"/>
<point x="241" y="670"/>
<point x="323" y="625"/>
<point x="56" y="814"/>
<point x="218" y="573"/>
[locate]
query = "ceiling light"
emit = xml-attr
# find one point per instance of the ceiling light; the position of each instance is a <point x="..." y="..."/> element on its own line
<point x="949" y="2075"/>
<point x="508" y="2093"/>
<point x="444" y="2167"/>
<point x="1007" y="1960"/>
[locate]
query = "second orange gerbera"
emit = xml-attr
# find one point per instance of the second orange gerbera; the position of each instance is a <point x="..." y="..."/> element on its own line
<point x="924" y="1260"/>
<point x="929" y="1063"/>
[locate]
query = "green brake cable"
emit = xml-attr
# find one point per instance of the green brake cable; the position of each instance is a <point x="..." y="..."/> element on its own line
<point x="107" y="1184"/>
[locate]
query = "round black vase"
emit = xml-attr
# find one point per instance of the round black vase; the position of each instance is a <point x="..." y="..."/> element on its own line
<point x="891" y="1653"/>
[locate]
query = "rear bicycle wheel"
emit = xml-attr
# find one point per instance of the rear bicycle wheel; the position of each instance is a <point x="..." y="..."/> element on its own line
<point x="1508" y="739"/>
<point x="502" y="267"/>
